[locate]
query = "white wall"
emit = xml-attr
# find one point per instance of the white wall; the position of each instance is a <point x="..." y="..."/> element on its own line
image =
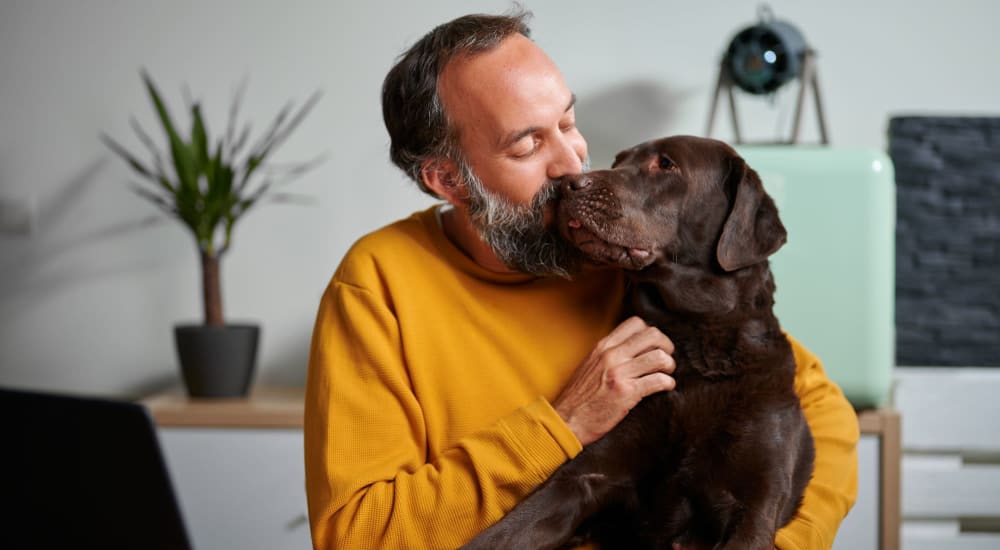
<point x="88" y="298"/>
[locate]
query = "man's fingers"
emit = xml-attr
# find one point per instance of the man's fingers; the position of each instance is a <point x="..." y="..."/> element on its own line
<point x="648" y="340"/>
<point x="624" y="331"/>
<point x="655" y="382"/>
<point x="655" y="360"/>
<point x="630" y="363"/>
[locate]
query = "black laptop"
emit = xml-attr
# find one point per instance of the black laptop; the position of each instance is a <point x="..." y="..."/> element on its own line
<point x="79" y="472"/>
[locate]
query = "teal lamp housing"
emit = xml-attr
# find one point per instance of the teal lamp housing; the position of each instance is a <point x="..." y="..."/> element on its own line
<point x="763" y="57"/>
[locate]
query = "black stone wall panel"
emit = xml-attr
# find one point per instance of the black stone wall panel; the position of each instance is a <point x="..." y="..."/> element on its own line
<point x="947" y="240"/>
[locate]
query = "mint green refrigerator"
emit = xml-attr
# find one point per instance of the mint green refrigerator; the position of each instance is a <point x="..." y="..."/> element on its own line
<point x="835" y="277"/>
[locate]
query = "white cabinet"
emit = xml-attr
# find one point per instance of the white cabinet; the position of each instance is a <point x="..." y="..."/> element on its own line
<point x="951" y="457"/>
<point x="237" y="468"/>
<point x="239" y="489"/>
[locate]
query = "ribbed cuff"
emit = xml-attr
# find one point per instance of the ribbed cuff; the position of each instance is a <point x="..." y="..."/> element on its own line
<point x="801" y="535"/>
<point x="541" y="437"/>
<point x="556" y="426"/>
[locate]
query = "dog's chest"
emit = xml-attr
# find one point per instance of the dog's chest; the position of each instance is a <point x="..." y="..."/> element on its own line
<point x="723" y="391"/>
<point x="699" y="405"/>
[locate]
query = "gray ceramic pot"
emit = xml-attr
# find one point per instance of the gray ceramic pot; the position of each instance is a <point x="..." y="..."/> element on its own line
<point x="217" y="361"/>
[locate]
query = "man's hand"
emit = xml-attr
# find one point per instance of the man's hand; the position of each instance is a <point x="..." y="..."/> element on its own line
<point x="630" y="363"/>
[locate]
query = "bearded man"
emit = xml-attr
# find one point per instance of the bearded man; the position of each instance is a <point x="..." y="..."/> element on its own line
<point x="461" y="355"/>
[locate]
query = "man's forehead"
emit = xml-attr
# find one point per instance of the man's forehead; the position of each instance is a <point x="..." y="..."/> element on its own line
<point x="507" y="90"/>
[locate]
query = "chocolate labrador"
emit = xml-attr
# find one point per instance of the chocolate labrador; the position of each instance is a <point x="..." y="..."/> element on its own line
<point x="723" y="460"/>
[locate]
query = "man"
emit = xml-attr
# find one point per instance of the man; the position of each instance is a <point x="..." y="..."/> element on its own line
<point x="450" y="372"/>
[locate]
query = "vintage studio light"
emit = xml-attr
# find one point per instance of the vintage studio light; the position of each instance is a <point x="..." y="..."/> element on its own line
<point x="762" y="58"/>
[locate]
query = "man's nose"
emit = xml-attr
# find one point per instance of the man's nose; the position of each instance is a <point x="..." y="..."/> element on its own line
<point x="565" y="161"/>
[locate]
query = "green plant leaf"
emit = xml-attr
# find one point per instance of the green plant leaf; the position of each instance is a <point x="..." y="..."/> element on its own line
<point x="234" y="110"/>
<point x="161" y="174"/>
<point x="164" y="203"/>
<point x="122" y="152"/>
<point x="184" y="164"/>
<point x="295" y="170"/>
<point x="235" y="148"/>
<point x="199" y="140"/>
<point x="272" y="129"/>
<point x="205" y="187"/>
<point x="278" y="133"/>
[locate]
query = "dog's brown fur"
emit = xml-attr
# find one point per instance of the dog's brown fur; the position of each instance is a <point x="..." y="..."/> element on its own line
<point x="721" y="461"/>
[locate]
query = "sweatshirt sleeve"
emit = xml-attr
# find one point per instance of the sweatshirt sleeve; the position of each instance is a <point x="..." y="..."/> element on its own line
<point x="369" y="481"/>
<point x="834" y="485"/>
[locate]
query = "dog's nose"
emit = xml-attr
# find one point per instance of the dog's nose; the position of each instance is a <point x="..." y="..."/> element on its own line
<point x="578" y="182"/>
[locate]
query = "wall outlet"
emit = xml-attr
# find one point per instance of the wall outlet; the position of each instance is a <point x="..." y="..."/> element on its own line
<point x="17" y="215"/>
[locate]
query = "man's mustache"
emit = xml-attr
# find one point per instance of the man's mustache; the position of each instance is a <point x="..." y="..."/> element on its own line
<point x="551" y="190"/>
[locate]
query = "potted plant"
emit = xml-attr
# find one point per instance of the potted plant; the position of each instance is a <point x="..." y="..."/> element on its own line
<point x="208" y="186"/>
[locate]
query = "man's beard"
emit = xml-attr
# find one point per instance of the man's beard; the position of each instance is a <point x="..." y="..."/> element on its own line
<point x="517" y="234"/>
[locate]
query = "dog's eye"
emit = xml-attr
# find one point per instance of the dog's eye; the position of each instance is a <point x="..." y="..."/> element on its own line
<point x="665" y="163"/>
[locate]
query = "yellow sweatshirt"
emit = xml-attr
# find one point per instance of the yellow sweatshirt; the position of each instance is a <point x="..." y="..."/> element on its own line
<point x="427" y="413"/>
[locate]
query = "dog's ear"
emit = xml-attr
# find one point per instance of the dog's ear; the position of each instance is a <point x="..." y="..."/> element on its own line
<point x="620" y="157"/>
<point x="753" y="230"/>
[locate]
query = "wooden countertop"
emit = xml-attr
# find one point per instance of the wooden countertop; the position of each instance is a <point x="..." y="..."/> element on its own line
<point x="266" y="407"/>
<point x="274" y="407"/>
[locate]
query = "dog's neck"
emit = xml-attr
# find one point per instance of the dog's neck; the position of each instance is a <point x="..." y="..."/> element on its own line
<point x="702" y="295"/>
<point x="694" y="306"/>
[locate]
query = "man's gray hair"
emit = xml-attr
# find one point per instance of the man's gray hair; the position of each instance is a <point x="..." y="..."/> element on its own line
<point x="419" y="128"/>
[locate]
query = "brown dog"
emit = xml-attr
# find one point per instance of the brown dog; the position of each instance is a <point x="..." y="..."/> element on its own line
<point x="721" y="461"/>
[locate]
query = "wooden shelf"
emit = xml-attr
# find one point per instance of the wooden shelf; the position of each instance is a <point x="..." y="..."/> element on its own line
<point x="877" y="421"/>
<point x="270" y="406"/>
<point x="885" y="424"/>
<point x="266" y="407"/>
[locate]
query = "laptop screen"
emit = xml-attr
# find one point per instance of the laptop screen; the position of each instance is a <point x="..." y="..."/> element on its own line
<point x="83" y="473"/>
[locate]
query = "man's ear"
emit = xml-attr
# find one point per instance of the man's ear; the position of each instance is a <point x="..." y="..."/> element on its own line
<point x="753" y="230"/>
<point x="442" y="177"/>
